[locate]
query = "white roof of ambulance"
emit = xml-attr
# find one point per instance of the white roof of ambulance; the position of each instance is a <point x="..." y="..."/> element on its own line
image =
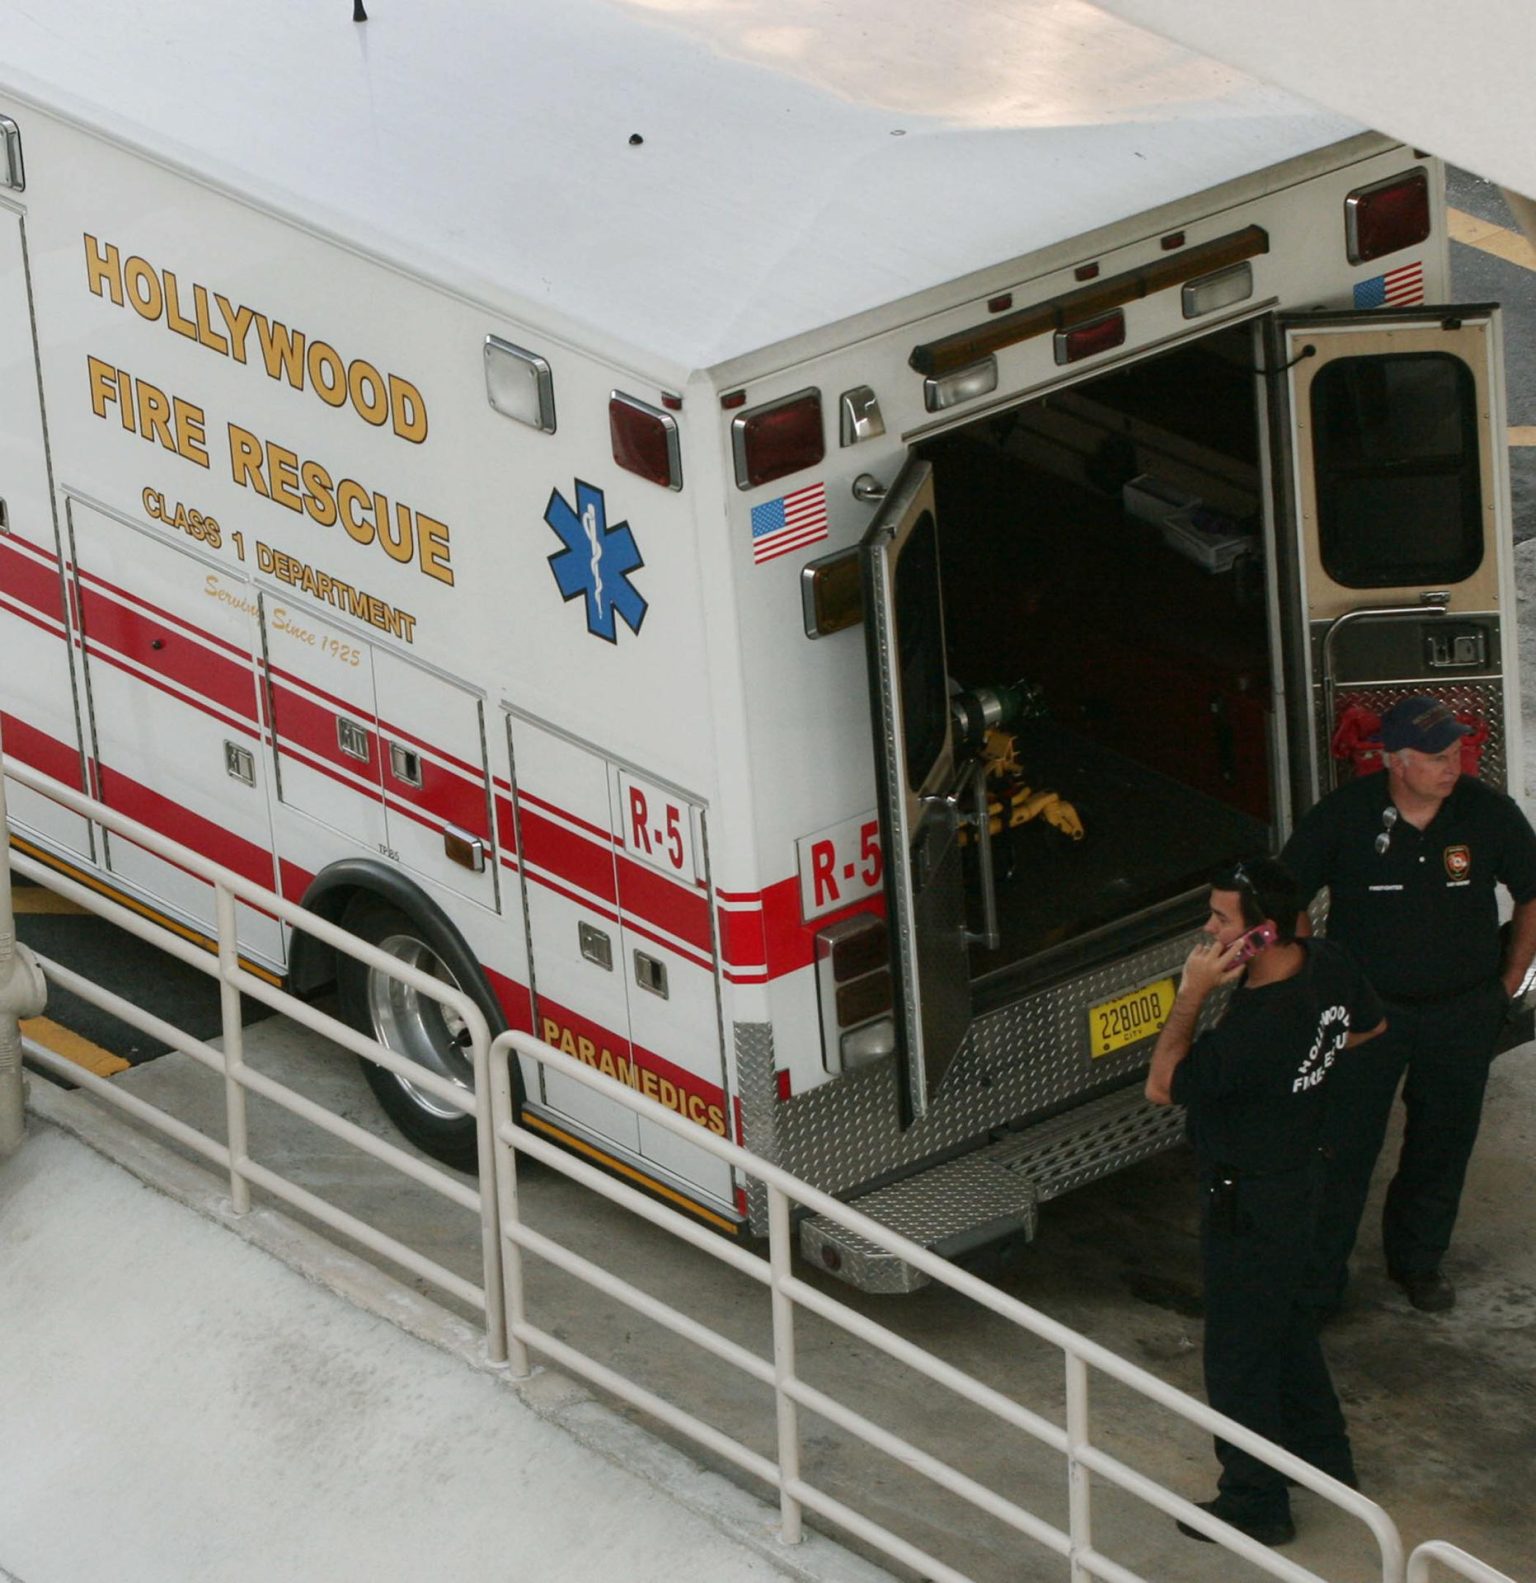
<point x="803" y="161"/>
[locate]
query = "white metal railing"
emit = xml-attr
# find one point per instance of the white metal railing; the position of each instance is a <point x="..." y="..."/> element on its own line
<point x="234" y="1157"/>
<point x="1455" y="1559"/>
<point x="1074" y="1441"/>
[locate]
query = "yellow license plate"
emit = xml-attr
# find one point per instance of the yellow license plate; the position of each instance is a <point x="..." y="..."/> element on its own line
<point x="1113" y="1024"/>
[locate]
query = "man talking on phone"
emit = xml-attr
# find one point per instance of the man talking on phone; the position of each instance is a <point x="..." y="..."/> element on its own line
<point x="1413" y="857"/>
<point x="1252" y="1084"/>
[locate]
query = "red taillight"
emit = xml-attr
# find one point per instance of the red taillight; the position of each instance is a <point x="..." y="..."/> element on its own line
<point x="1088" y="340"/>
<point x="645" y="441"/>
<point x="1386" y="217"/>
<point x="782" y="437"/>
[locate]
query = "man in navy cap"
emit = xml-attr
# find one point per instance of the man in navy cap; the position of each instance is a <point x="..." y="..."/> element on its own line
<point x="1412" y="857"/>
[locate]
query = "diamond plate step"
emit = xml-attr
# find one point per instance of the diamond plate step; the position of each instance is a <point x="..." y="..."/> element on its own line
<point x="964" y="1204"/>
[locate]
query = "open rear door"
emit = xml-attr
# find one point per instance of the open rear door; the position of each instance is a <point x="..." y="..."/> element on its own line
<point x="920" y="786"/>
<point x="1401" y="504"/>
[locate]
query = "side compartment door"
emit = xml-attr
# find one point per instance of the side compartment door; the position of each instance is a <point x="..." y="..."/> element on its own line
<point x="571" y="900"/>
<point x="40" y="726"/>
<point x="436" y="789"/>
<point x="1400" y="489"/>
<point x="919" y="782"/>
<point x="324" y="721"/>
<point x="667" y="936"/>
<point x="168" y="641"/>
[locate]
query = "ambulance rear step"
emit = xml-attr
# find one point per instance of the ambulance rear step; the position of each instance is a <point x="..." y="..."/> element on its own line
<point x="995" y="1192"/>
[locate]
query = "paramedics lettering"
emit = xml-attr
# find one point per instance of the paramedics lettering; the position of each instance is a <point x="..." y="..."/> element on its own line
<point x="692" y="1106"/>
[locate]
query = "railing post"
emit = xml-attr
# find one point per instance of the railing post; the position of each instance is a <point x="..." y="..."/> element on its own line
<point x="234" y="1049"/>
<point x="780" y="1251"/>
<point x="23" y="993"/>
<point x="499" y="1067"/>
<point x="1079" y="1485"/>
<point x="490" y="1225"/>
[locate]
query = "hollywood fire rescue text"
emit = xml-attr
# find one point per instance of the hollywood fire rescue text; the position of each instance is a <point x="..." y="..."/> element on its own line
<point x="261" y="464"/>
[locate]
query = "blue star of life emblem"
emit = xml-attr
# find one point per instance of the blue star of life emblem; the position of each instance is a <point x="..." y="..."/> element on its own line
<point x="596" y="561"/>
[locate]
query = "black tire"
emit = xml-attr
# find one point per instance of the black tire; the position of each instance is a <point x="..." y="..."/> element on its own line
<point x="413" y="1025"/>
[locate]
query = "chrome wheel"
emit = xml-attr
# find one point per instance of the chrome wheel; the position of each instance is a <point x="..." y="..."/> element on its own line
<point x="419" y="1028"/>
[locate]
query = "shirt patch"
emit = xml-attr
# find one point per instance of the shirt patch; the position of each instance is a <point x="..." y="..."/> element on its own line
<point x="1458" y="860"/>
<point x="1383" y="887"/>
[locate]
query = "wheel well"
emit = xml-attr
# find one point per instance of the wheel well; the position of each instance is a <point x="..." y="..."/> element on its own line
<point x="312" y="963"/>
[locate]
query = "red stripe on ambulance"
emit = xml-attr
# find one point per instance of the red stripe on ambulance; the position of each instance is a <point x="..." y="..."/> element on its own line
<point x="178" y="823"/>
<point x="29" y="578"/>
<point x="40" y="751"/>
<point x="191" y="660"/>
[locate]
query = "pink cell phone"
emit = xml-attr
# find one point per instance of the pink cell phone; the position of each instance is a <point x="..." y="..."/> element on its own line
<point x="1255" y="941"/>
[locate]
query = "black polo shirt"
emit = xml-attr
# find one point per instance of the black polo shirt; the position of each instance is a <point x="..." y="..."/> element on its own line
<point x="1423" y="916"/>
<point x="1253" y="1084"/>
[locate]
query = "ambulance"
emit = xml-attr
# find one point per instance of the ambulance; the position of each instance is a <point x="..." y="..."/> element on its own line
<point x="777" y="546"/>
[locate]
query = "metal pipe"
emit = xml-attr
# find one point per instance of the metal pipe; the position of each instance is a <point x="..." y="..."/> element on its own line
<point x="234" y="1051"/>
<point x="1454" y="1558"/>
<point x="514" y="1313"/>
<point x="1079" y="1485"/>
<point x="780" y="1251"/>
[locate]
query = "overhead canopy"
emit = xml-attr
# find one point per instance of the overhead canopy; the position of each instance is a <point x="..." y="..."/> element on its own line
<point x="1452" y="78"/>
<point x="679" y="181"/>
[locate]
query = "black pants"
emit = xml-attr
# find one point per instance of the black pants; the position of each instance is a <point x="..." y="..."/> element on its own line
<point x="1445" y="1050"/>
<point x="1264" y="1364"/>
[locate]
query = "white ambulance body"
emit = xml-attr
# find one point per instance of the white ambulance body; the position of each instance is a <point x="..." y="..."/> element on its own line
<point x="439" y="463"/>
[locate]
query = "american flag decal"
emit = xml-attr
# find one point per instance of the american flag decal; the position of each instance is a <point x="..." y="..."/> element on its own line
<point x="789" y="523"/>
<point x="1395" y="289"/>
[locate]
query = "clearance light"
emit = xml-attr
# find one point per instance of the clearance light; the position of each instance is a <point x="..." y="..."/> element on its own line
<point x="519" y="385"/>
<point x="853" y="983"/>
<point x="12" y="172"/>
<point x="1088" y="340"/>
<point x="832" y="594"/>
<point x="1220" y="290"/>
<point x="965" y="384"/>
<point x="778" y="438"/>
<point x="645" y="441"/>
<point x="1387" y="216"/>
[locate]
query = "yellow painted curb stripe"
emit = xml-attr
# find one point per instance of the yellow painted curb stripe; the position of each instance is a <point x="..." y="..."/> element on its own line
<point x="39" y="899"/>
<point x="1512" y="246"/>
<point x="52" y="1036"/>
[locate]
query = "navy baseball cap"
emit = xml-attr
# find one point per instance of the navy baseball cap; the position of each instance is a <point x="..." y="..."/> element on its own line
<point x="1424" y="724"/>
